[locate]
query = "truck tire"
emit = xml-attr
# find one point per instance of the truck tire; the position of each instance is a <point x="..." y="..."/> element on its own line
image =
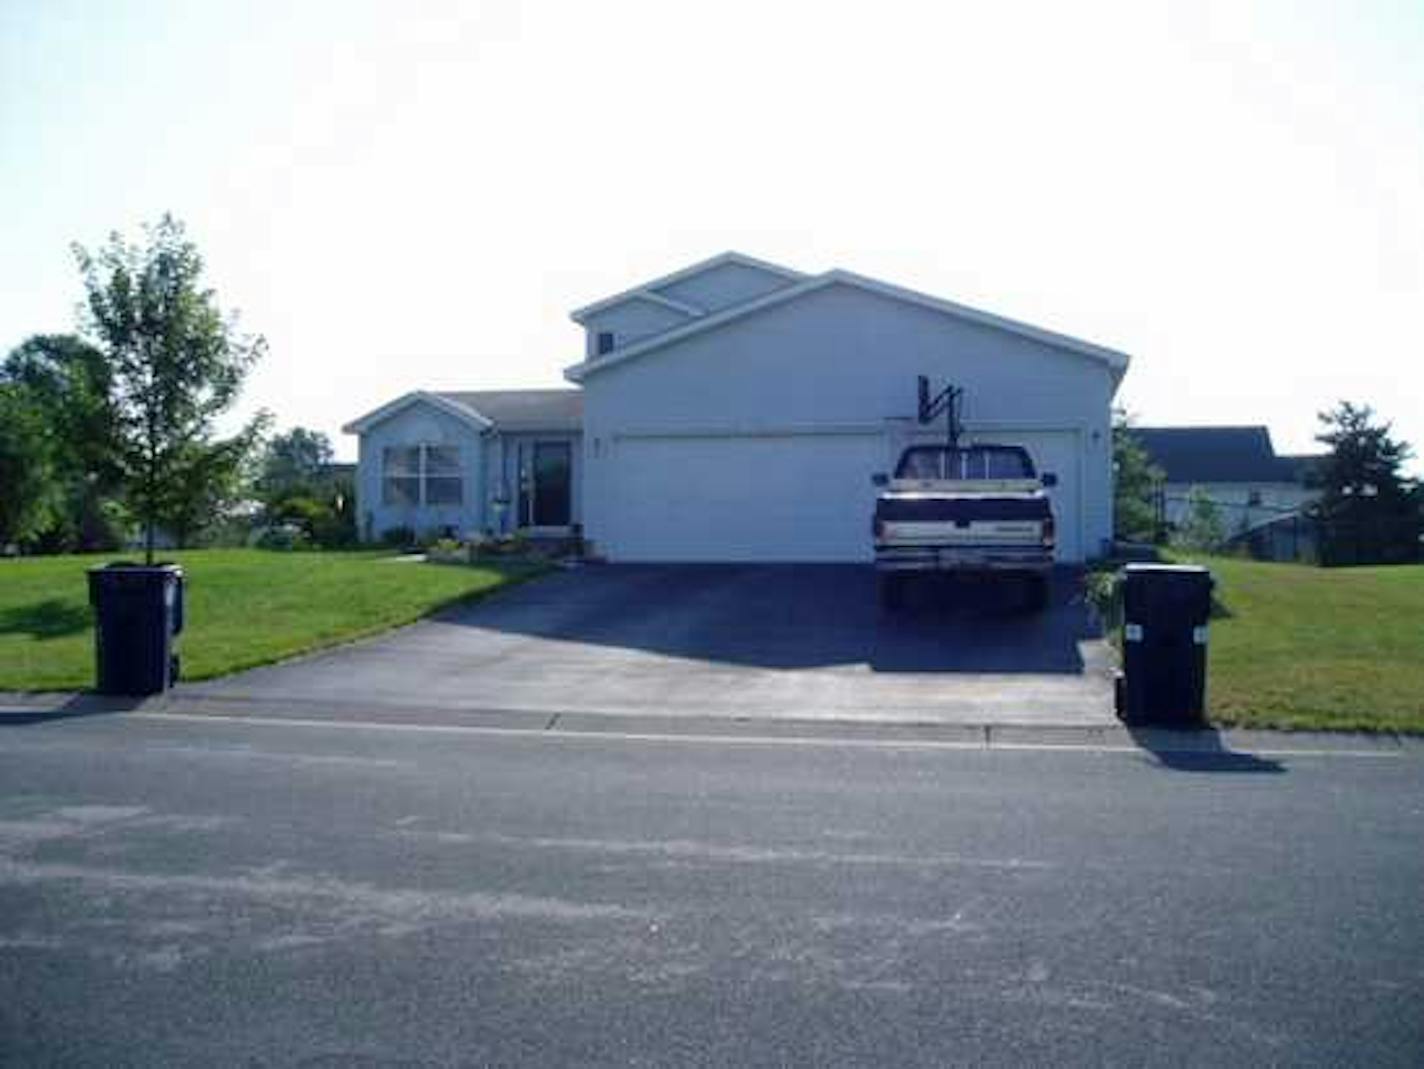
<point x="1035" y="593"/>
<point x="891" y="591"/>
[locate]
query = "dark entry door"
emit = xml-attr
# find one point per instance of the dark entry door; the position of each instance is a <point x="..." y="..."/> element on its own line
<point x="553" y="484"/>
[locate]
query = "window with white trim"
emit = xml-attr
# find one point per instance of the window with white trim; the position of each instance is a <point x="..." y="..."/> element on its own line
<point x="444" y="484"/>
<point x="421" y="474"/>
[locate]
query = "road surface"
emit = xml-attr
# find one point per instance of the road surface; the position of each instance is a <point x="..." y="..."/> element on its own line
<point x="224" y="891"/>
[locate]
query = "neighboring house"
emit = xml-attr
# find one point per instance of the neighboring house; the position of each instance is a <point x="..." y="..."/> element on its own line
<point x="1237" y="468"/>
<point x="736" y="411"/>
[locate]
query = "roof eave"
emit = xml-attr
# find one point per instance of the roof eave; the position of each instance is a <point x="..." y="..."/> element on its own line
<point x="730" y="257"/>
<point x="583" y="314"/>
<point x="1117" y="362"/>
<point x="453" y="408"/>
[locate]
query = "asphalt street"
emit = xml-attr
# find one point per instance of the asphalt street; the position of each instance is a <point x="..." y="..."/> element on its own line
<point x="210" y="891"/>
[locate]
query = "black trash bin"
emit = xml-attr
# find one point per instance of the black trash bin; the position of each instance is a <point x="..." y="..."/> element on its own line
<point x="1166" y="609"/>
<point x="138" y="610"/>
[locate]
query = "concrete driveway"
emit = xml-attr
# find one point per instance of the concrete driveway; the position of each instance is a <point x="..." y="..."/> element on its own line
<point x="752" y="641"/>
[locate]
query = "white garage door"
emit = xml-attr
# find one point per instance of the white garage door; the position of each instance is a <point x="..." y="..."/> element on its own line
<point x="801" y="497"/>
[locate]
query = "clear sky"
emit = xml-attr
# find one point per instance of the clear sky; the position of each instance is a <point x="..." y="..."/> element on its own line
<point x="405" y="194"/>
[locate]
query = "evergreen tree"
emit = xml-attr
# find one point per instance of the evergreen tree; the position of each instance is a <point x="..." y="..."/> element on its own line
<point x="1368" y="512"/>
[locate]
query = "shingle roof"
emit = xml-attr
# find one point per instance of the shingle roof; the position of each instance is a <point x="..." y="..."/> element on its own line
<point x="532" y="410"/>
<point x="1218" y="455"/>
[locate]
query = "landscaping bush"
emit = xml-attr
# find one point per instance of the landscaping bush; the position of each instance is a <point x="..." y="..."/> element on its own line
<point x="283" y="536"/>
<point x="401" y="537"/>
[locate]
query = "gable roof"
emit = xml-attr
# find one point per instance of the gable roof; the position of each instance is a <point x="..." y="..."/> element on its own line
<point x="647" y="290"/>
<point x="460" y="411"/>
<point x="558" y="409"/>
<point x="1219" y="455"/>
<point x="1116" y="361"/>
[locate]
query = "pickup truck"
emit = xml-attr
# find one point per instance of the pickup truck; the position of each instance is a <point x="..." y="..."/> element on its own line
<point x="974" y="509"/>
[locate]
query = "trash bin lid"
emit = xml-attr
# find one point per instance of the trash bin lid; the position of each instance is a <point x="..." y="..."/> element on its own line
<point x="1138" y="568"/>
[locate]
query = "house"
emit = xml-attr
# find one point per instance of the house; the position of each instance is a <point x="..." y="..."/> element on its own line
<point x="736" y="410"/>
<point x="1237" y="468"/>
<point x="471" y="461"/>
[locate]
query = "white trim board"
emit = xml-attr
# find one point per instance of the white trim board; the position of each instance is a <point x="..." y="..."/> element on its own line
<point x="740" y="259"/>
<point x="856" y="428"/>
<point x="464" y="413"/>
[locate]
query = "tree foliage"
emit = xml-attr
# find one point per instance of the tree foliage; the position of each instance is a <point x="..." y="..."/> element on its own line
<point x="296" y="460"/>
<point x="1136" y="480"/>
<point x="175" y="363"/>
<point x="1368" y="512"/>
<point x="66" y="386"/>
<point x="29" y="491"/>
<point x="301" y="489"/>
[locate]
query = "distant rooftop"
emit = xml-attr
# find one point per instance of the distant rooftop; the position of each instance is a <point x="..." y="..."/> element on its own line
<point x="1220" y="455"/>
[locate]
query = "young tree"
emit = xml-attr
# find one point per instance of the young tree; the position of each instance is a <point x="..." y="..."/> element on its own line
<point x="1369" y="512"/>
<point x="1202" y="528"/>
<point x="1136" y="481"/>
<point x="212" y="478"/>
<point x="175" y="363"/>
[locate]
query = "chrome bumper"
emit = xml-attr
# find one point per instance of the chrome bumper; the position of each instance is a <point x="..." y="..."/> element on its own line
<point x="894" y="558"/>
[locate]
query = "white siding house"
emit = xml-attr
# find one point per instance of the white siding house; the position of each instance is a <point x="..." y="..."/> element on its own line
<point x="736" y="411"/>
<point x="1236" y="468"/>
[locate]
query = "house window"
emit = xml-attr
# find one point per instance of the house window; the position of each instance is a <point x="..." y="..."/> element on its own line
<point x="400" y="475"/>
<point x="443" y="483"/>
<point x="605" y="342"/>
<point x="416" y="474"/>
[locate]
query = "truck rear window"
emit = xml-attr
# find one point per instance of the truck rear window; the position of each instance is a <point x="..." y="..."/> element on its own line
<point x="975" y="462"/>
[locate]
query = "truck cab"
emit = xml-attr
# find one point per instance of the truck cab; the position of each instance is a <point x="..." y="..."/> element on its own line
<point x="961" y="509"/>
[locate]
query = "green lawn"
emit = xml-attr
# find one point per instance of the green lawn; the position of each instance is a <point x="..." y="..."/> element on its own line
<point x="1311" y="648"/>
<point x="245" y="607"/>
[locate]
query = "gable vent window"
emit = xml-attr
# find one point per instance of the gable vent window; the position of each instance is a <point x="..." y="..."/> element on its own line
<point x="421" y="474"/>
<point x="605" y="342"/>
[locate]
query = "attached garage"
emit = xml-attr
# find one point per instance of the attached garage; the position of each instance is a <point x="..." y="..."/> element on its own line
<point x="751" y="433"/>
<point x="799" y="498"/>
<point x="771" y="497"/>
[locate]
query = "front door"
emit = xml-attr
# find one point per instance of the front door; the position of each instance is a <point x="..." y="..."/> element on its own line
<point x="548" y="497"/>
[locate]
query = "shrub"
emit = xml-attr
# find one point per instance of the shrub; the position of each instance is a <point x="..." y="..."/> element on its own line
<point x="283" y="536"/>
<point x="401" y="537"/>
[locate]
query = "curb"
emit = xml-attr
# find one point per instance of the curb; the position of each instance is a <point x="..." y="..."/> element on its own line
<point x="19" y="709"/>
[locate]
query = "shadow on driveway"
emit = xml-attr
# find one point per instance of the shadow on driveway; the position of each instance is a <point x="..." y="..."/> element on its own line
<point x="764" y="642"/>
<point x="798" y="616"/>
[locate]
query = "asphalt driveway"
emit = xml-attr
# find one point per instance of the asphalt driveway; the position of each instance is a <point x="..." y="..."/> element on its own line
<point x="752" y="641"/>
